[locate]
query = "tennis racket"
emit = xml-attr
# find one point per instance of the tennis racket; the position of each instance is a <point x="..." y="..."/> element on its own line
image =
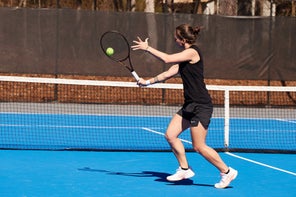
<point x="121" y="48"/>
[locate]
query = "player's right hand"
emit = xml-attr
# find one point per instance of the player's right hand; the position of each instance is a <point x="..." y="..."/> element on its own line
<point x="141" y="82"/>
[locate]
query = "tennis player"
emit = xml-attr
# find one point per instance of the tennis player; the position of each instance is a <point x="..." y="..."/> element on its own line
<point x="197" y="109"/>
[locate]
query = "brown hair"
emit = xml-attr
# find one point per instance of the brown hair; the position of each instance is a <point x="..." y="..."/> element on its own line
<point x="187" y="33"/>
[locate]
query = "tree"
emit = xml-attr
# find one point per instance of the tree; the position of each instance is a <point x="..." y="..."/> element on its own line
<point x="150" y="6"/>
<point x="227" y="7"/>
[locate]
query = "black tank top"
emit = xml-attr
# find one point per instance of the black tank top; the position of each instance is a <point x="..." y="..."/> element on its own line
<point x="193" y="81"/>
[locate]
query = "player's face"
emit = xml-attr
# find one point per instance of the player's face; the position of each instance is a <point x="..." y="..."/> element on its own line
<point x="178" y="41"/>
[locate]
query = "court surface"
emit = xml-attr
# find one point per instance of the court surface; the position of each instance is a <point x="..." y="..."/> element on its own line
<point x="126" y="173"/>
<point x="72" y="173"/>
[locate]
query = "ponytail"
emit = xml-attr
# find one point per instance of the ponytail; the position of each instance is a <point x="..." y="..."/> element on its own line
<point x="187" y="33"/>
<point x="196" y="30"/>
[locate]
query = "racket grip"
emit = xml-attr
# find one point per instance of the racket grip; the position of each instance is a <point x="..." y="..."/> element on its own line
<point x="135" y="75"/>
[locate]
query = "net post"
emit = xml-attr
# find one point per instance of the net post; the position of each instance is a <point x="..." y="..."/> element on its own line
<point x="226" y="119"/>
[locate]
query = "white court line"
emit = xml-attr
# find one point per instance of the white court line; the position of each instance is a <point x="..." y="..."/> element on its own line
<point x="68" y="126"/>
<point x="261" y="164"/>
<point x="284" y="120"/>
<point x="159" y="133"/>
<point x="233" y="155"/>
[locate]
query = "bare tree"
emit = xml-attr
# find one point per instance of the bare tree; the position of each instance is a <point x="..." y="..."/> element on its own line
<point x="23" y="3"/>
<point x="167" y="6"/>
<point x="78" y="4"/>
<point x="227" y="7"/>
<point x="293" y="8"/>
<point x="118" y="5"/>
<point x="131" y="5"/>
<point x="150" y="6"/>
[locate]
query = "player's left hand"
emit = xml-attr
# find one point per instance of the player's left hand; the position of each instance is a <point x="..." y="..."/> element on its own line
<point x="140" y="44"/>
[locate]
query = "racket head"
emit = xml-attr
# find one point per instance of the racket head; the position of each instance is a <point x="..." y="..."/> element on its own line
<point x="118" y="42"/>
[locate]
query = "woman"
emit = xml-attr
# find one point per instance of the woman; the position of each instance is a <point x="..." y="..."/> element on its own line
<point x="197" y="108"/>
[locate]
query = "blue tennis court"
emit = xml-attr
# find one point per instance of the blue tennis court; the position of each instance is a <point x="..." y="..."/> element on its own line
<point x="84" y="173"/>
<point x="141" y="171"/>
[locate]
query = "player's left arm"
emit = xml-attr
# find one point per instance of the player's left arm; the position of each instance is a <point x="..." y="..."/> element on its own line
<point x="186" y="55"/>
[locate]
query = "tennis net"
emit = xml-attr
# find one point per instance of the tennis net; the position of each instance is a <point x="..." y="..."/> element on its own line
<point x="75" y="114"/>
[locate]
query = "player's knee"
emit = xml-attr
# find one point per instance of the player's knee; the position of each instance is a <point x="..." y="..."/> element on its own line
<point x="166" y="136"/>
<point x="196" y="148"/>
<point x="199" y="148"/>
<point x="170" y="138"/>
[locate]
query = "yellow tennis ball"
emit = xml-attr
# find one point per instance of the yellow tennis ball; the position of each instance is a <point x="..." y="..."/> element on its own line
<point x="109" y="51"/>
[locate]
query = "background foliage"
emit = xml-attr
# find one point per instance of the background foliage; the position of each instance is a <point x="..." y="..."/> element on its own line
<point x="242" y="7"/>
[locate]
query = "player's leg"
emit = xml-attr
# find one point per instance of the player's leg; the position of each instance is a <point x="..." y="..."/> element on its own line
<point x="198" y="135"/>
<point x="175" y="128"/>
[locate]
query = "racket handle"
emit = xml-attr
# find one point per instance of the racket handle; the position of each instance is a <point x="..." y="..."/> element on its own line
<point x="135" y="75"/>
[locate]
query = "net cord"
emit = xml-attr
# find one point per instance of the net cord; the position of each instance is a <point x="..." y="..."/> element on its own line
<point x="133" y="84"/>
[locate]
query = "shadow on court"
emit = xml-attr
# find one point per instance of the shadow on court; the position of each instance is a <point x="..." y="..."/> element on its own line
<point x="160" y="176"/>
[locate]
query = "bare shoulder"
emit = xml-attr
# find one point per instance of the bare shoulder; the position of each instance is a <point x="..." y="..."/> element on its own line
<point x="194" y="55"/>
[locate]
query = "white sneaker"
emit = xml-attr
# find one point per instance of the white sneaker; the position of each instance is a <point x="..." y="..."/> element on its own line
<point x="226" y="178"/>
<point x="181" y="174"/>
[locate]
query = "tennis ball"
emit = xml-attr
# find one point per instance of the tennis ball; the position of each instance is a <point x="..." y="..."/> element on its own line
<point x="109" y="51"/>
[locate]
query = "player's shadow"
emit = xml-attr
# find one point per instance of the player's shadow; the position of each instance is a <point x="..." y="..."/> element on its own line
<point x="160" y="176"/>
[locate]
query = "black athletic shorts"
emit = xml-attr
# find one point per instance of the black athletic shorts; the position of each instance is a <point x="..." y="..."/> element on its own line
<point x="196" y="113"/>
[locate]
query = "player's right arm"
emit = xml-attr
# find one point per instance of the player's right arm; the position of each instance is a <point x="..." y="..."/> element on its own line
<point x="172" y="71"/>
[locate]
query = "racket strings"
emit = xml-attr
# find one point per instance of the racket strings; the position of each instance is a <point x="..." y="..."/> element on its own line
<point x="118" y="43"/>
